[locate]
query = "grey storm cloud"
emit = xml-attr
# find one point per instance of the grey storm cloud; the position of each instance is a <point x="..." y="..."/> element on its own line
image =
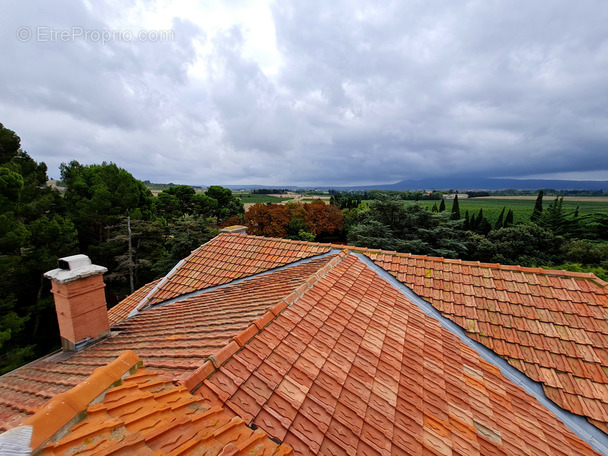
<point x="359" y="92"/>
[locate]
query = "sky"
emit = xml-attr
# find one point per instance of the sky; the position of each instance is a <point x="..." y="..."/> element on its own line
<point x="309" y="92"/>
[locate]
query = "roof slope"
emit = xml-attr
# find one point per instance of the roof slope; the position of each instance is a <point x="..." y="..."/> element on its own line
<point x="550" y="325"/>
<point x="149" y="415"/>
<point x="122" y="310"/>
<point x="172" y="339"/>
<point x="231" y="256"/>
<point x="354" y="367"/>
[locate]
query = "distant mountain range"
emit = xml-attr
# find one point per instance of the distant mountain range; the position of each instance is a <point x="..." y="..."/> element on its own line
<point x="458" y="183"/>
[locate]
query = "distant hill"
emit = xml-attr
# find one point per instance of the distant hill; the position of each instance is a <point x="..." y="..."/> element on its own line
<point x="469" y="183"/>
<point x="456" y="183"/>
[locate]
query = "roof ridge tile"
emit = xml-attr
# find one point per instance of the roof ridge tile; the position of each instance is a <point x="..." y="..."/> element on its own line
<point x="64" y="407"/>
<point x="192" y="380"/>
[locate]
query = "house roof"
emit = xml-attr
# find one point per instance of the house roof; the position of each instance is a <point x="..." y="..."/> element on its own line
<point x="147" y="414"/>
<point x="228" y="257"/>
<point x="173" y="340"/>
<point x="550" y="325"/>
<point x="323" y="354"/>
<point x="122" y="310"/>
<point x="336" y="373"/>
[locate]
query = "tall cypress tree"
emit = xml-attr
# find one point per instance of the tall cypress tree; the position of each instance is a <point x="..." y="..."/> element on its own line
<point x="499" y="224"/>
<point x="442" y="205"/>
<point x="467" y="223"/>
<point x="455" y="209"/>
<point x="538" y="207"/>
<point x="508" y="219"/>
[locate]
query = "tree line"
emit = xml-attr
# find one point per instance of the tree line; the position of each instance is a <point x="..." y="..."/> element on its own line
<point x="106" y="214"/>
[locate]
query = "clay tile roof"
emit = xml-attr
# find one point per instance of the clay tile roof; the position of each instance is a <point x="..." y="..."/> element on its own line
<point x="551" y="325"/>
<point x="329" y="357"/>
<point x="231" y="256"/>
<point x="338" y="374"/>
<point x="174" y="339"/>
<point x="140" y="413"/>
<point x="122" y="310"/>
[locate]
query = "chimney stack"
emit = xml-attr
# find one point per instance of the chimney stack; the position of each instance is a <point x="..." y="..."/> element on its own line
<point x="80" y="301"/>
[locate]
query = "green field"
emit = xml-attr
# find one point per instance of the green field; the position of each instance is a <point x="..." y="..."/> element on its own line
<point x="250" y="198"/>
<point x="522" y="208"/>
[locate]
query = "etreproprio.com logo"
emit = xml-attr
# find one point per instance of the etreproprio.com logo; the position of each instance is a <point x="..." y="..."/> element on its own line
<point x="46" y="34"/>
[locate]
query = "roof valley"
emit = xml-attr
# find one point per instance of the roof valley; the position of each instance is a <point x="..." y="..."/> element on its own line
<point x="577" y="424"/>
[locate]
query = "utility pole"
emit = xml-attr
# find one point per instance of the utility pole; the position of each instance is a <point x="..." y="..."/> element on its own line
<point x="130" y="254"/>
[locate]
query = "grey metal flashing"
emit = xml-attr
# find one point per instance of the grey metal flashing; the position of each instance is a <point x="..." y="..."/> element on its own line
<point x="243" y="279"/>
<point x="596" y="438"/>
<point x="135" y="311"/>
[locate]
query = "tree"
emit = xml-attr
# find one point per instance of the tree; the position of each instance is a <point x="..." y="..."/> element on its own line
<point x="455" y="209"/>
<point x="323" y="219"/>
<point x="184" y="195"/>
<point x="34" y="232"/>
<point x="442" y="205"/>
<point x="526" y="245"/>
<point x="538" y="207"/>
<point x="228" y="205"/>
<point x="499" y="222"/>
<point x="267" y="220"/>
<point x="508" y="219"/>
<point x="101" y="195"/>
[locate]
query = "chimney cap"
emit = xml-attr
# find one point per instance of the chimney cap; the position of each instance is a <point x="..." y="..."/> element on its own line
<point x="240" y="229"/>
<point x="73" y="268"/>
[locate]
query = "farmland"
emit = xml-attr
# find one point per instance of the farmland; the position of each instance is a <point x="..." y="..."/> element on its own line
<point x="522" y="206"/>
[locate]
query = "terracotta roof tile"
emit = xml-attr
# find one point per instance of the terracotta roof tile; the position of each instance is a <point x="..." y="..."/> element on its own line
<point x="122" y="310"/>
<point x="175" y="339"/>
<point x="144" y="415"/>
<point x="529" y="317"/>
<point x="228" y="257"/>
<point x="411" y="389"/>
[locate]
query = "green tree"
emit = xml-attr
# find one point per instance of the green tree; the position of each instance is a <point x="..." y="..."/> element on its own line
<point x="33" y="233"/>
<point x="100" y="195"/>
<point x="499" y="222"/>
<point x="442" y="205"/>
<point x="538" y="207"/>
<point x="228" y="205"/>
<point x="455" y="209"/>
<point x="508" y="219"/>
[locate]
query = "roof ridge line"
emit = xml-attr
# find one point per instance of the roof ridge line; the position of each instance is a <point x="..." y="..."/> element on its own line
<point x="63" y="408"/>
<point x="192" y="380"/>
<point x="292" y="241"/>
<point x="167" y="276"/>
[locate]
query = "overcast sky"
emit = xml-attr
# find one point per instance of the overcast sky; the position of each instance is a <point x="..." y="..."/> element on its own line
<point x="309" y="92"/>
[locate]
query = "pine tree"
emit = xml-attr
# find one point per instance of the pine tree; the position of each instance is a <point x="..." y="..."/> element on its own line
<point x="467" y="223"/>
<point x="455" y="209"/>
<point x="508" y="219"/>
<point x="499" y="223"/>
<point x="434" y="209"/>
<point x="538" y="207"/>
<point x="442" y="205"/>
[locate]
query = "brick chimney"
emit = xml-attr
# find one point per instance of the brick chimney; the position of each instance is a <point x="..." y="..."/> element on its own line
<point x="80" y="301"/>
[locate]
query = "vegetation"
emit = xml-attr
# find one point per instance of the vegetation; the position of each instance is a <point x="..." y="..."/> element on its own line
<point x="114" y="218"/>
<point x="105" y="213"/>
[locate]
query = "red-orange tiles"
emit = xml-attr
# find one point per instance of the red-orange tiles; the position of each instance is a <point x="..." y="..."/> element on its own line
<point x="228" y="257"/>
<point x="149" y="415"/>
<point x="122" y="310"/>
<point x="378" y="376"/>
<point x="531" y="317"/>
<point x="173" y="339"/>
